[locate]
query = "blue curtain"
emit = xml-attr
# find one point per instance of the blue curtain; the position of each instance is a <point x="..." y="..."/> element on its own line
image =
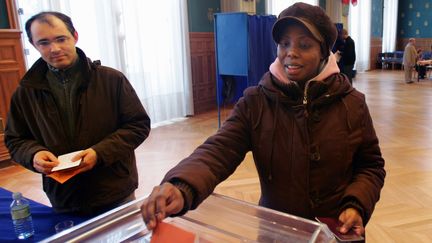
<point x="262" y="48"/>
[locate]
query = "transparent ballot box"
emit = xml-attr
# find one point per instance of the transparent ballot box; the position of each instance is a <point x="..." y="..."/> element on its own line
<point x="217" y="219"/>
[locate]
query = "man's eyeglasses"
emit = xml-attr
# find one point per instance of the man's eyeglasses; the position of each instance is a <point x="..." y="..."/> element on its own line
<point x="46" y="43"/>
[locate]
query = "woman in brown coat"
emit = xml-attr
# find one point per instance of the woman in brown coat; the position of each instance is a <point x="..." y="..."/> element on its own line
<point x="309" y="130"/>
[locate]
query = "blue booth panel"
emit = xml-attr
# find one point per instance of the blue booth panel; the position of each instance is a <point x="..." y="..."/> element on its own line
<point x="231" y="35"/>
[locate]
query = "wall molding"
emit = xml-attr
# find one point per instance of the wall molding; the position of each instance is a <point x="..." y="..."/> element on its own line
<point x="12" y="68"/>
<point x="375" y="48"/>
<point x="203" y="65"/>
<point x="12" y="14"/>
<point x="423" y="43"/>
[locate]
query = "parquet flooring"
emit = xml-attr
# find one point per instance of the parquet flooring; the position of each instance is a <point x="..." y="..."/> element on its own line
<point x="402" y="115"/>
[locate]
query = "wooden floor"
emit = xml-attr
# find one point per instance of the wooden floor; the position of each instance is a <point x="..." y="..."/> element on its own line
<point x="402" y="115"/>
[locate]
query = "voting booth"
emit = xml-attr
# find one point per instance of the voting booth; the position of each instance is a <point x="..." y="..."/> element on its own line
<point x="244" y="51"/>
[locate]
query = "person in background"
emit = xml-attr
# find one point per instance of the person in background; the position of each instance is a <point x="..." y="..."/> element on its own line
<point x="310" y="132"/>
<point x="348" y="56"/>
<point x="338" y="48"/>
<point x="66" y="103"/>
<point x="423" y="56"/>
<point x="409" y="60"/>
<point x="421" y="69"/>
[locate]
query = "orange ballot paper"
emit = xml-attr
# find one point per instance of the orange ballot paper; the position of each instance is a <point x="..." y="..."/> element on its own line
<point x="165" y="232"/>
<point x="63" y="176"/>
<point x="63" y="171"/>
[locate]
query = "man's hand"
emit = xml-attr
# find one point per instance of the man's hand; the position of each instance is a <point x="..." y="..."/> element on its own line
<point x="88" y="160"/>
<point x="163" y="201"/>
<point x="44" y="161"/>
<point x="351" y="218"/>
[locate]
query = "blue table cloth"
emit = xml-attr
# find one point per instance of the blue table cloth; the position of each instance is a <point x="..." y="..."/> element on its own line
<point x="44" y="219"/>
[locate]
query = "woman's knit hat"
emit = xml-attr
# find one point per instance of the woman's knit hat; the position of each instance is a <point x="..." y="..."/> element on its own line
<point x="312" y="18"/>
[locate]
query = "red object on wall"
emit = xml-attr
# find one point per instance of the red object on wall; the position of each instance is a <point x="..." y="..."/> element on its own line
<point x="347" y="2"/>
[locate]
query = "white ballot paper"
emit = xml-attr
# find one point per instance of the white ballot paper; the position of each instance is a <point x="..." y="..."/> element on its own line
<point x="66" y="161"/>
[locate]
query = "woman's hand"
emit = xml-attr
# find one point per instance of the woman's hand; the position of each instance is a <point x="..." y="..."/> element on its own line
<point x="163" y="201"/>
<point x="351" y="219"/>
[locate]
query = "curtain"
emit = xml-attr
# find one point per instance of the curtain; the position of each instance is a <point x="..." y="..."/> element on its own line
<point x="147" y="40"/>
<point x="276" y="6"/>
<point x="389" y="25"/>
<point x="262" y="49"/>
<point x="156" y="46"/>
<point x="359" y="26"/>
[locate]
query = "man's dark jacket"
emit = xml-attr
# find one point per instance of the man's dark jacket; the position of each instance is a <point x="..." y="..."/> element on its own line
<point x="110" y="119"/>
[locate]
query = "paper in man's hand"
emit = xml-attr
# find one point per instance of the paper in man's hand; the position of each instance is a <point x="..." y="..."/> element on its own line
<point x="66" y="161"/>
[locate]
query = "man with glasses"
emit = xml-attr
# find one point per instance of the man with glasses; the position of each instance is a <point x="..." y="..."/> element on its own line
<point x="67" y="103"/>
